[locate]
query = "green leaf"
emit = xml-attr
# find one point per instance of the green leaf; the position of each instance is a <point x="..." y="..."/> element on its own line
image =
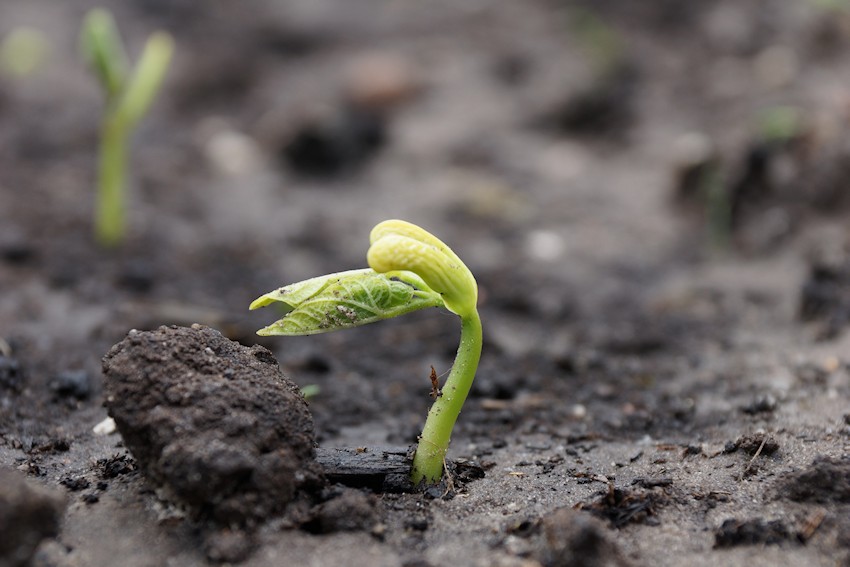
<point x="102" y="47"/>
<point x="294" y="294"/>
<point x="345" y="300"/>
<point x="148" y="75"/>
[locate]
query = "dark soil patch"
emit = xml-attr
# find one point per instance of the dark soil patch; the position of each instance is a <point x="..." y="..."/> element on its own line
<point x="825" y="480"/>
<point x="621" y="506"/>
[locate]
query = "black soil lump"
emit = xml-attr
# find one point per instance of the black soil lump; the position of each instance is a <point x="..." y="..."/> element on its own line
<point x="214" y="422"/>
<point x="29" y="513"/>
<point x="825" y="480"/>
<point x="621" y="506"/>
<point x="757" y="443"/>
<point x="752" y="532"/>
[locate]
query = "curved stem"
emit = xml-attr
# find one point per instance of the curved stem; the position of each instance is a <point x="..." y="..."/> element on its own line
<point x="434" y="442"/>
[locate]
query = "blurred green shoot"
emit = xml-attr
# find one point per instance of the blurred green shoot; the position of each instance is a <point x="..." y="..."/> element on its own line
<point x="833" y="5"/>
<point x="718" y="209"/>
<point x="602" y="42"/>
<point x="23" y="52"/>
<point x="129" y="95"/>
<point x="779" y="124"/>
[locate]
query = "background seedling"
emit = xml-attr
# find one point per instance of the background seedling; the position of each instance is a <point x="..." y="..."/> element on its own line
<point x="779" y="124"/>
<point x="603" y="45"/>
<point x="128" y="97"/>
<point x="411" y="269"/>
<point x="23" y="52"/>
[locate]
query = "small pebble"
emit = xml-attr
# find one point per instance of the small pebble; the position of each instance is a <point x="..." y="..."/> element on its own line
<point x="380" y="81"/>
<point x="578" y="411"/>
<point x="545" y="245"/>
<point x="105" y="427"/>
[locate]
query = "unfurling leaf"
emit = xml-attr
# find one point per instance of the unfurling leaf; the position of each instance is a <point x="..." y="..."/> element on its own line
<point x="346" y="299"/>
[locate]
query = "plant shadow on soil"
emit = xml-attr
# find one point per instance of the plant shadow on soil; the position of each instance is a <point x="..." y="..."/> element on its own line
<point x="642" y="400"/>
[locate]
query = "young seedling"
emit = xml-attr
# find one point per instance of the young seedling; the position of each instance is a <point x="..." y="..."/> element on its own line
<point x="411" y="269"/>
<point x="128" y="97"/>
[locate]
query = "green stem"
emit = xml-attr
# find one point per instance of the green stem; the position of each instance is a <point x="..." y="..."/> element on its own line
<point x="434" y="442"/>
<point x="110" y="213"/>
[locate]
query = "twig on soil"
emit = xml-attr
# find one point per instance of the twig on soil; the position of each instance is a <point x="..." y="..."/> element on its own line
<point x="754" y="457"/>
<point x="357" y="466"/>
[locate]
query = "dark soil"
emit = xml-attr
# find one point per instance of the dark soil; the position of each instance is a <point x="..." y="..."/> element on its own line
<point x="652" y="196"/>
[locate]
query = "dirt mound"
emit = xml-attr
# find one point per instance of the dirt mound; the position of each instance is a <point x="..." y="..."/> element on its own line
<point x="213" y="421"/>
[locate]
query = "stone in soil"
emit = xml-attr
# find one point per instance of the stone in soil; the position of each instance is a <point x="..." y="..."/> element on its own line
<point x="213" y="422"/>
<point x="825" y="480"/>
<point x="29" y="513"/>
